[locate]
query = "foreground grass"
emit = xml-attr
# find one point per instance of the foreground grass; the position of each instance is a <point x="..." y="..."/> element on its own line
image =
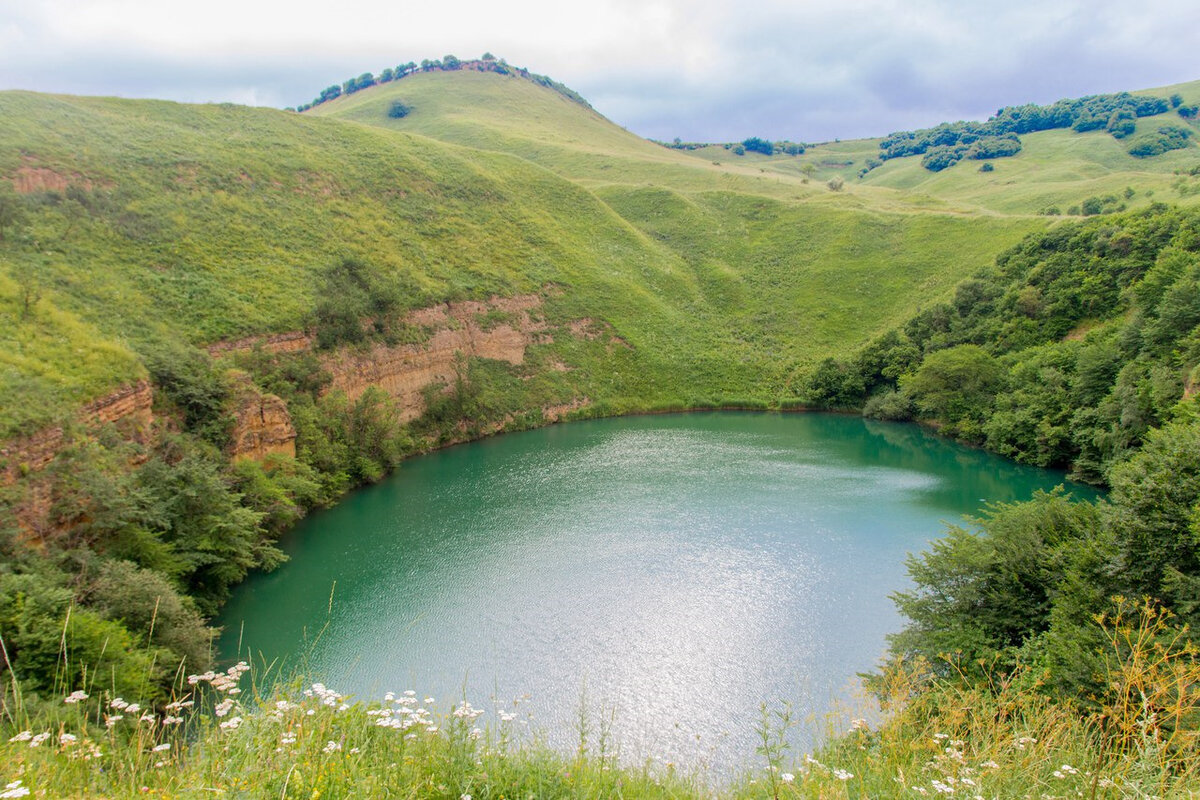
<point x="940" y="737"/>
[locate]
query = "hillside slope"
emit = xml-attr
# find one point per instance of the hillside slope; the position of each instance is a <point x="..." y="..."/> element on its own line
<point x="147" y="221"/>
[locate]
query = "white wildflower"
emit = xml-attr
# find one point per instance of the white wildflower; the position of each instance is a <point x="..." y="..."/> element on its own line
<point x="77" y="696"/>
<point x="67" y="739"/>
<point x="222" y="708"/>
<point x="331" y="747"/>
<point x="15" y="789"/>
<point x="23" y="736"/>
<point x="159" y="748"/>
<point x="842" y="775"/>
<point x="36" y="741"/>
<point x="787" y="777"/>
<point x="118" y="704"/>
<point x="232" y="723"/>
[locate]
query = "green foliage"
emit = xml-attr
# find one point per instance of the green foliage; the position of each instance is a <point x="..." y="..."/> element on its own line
<point x="1059" y="398"/>
<point x="59" y="647"/>
<point x="835" y="384"/>
<point x="980" y="594"/>
<point x="398" y="109"/>
<point x="1157" y="491"/>
<point x="757" y="145"/>
<point x="190" y="380"/>
<point x="356" y="300"/>
<point x="349" y="443"/>
<point x="946" y="144"/>
<point x="150" y="607"/>
<point x="1166" y="138"/>
<point x="956" y="384"/>
<point x="280" y="488"/>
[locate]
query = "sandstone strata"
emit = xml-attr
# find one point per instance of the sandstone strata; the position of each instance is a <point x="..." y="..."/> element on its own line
<point x="128" y="408"/>
<point x="456" y="331"/>
<point x="262" y="425"/>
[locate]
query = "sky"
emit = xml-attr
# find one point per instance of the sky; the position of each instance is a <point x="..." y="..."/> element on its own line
<point x="702" y="70"/>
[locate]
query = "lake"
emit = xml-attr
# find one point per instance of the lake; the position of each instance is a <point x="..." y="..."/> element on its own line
<point x="665" y="575"/>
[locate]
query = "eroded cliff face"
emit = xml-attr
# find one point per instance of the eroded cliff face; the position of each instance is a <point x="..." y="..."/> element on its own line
<point x="501" y="328"/>
<point x="24" y="459"/>
<point x="455" y="331"/>
<point x="262" y="424"/>
<point x="128" y="408"/>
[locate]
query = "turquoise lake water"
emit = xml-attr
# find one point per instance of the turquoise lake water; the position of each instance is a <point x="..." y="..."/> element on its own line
<point x="666" y="573"/>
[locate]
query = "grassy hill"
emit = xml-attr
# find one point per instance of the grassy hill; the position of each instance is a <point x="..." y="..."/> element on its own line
<point x="146" y="221"/>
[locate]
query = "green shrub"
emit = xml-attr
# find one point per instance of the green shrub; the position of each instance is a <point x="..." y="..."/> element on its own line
<point x="1166" y="138"/>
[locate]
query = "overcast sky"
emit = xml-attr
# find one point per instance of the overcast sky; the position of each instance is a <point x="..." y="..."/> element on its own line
<point x="707" y="70"/>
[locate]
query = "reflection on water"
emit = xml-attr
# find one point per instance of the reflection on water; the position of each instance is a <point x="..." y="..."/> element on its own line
<point x="670" y="573"/>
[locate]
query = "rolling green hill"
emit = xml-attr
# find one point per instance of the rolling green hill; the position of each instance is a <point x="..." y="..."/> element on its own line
<point x="144" y="221"/>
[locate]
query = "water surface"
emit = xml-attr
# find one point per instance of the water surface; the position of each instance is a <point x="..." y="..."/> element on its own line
<point x="670" y="572"/>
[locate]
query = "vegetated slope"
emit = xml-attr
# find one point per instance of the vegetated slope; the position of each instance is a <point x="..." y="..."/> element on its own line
<point x="1066" y="353"/>
<point x="201" y="223"/>
<point x="1055" y="171"/>
<point x="149" y="220"/>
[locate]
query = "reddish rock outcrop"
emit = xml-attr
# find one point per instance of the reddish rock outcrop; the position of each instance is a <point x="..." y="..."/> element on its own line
<point x="262" y="424"/>
<point x="287" y="342"/>
<point x="128" y="408"/>
<point x="404" y="371"/>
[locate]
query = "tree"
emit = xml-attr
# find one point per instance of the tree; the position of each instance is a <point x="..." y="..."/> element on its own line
<point x="30" y="289"/>
<point x="451" y="62"/>
<point x="1158" y="492"/>
<point x="398" y="109"/>
<point x="956" y="384"/>
<point x="981" y="594"/>
<point x="757" y="145"/>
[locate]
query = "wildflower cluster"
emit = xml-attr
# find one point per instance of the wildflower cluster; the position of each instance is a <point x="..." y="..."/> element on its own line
<point x="404" y="713"/>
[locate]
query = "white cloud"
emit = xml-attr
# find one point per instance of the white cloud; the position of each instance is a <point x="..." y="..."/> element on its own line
<point x="702" y="69"/>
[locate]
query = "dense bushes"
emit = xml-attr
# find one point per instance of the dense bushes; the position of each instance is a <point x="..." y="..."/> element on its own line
<point x="1167" y="137"/>
<point x="1026" y="582"/>
<point x="948" y="143"/>
<point x="1077" y="343"/>
<point x="356" y="300"/>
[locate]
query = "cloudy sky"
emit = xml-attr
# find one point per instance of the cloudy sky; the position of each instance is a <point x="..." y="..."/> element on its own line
<point x="709" y="70"/>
